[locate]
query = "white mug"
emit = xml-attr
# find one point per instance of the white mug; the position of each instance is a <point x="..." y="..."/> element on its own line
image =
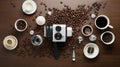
<point x="90" y="28"/>
<point x="107" y="32"/>
<point x="102" y="22"/>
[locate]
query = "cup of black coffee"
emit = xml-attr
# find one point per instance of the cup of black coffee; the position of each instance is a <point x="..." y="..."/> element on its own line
<point x="21" y="25"/>
<point x="87" y="30"/>
<point x="102" y="22"/>
<point x="107" y="37"/>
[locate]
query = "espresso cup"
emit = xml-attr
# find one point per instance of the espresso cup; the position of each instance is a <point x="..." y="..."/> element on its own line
<point x="107" y="37"/>
<point x="87" y="30"/>
<point x="21" y="25"/>
<point x="102" y="22"/>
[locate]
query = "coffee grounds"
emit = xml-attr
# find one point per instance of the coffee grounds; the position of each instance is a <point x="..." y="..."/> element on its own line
<point x="21" y="25"/>
<point x="107" y="37"/>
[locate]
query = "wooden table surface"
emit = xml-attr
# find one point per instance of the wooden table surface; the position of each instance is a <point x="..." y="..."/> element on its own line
<point x="10" y="11"/>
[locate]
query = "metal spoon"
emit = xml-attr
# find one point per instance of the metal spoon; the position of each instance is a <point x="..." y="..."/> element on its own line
<point x="73" y="55"/>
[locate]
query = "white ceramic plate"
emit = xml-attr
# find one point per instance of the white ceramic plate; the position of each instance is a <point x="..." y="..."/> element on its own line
<point x="14" y="43"/>
<point x="95" y="52"/>
<point x="29" y="6"/>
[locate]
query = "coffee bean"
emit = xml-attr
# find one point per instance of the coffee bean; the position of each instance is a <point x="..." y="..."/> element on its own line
<point x="61" y="2"/>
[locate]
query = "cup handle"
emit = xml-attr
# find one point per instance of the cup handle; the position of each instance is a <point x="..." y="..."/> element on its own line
<point x="110" y="26"/>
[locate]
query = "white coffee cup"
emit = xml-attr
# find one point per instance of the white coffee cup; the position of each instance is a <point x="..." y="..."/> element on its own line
<point x="29" y="7"/>
<point x="87" y="30"/>
<point x="21" y="21"/>
<point x="102" y="22"/>
<point x="105" y="33"/>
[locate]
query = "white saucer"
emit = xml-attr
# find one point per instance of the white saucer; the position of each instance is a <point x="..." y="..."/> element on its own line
<point x="36" y="40"/>
<point x="13" y="40"/>
<point x="95" y="52"/>
<point x="29" y="6"/>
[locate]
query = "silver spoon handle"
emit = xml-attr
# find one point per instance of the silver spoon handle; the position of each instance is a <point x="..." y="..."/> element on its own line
<point x="73" y="54"/>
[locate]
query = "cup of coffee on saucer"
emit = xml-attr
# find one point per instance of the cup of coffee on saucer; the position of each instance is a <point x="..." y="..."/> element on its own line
<point x="107" y="37"/>
<point x="102" y="22"/>
<point x="29" y="7"/>
<point x="10" y="42"/>
<point x="21" y="25"/>
<point x="91" y="50"/>
<point x="87" y="30"/>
